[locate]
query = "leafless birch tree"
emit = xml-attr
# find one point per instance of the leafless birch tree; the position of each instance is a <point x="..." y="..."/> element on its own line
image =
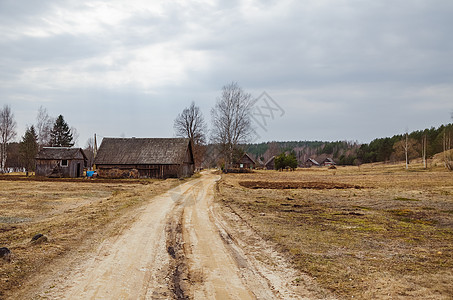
<point x="43" y="127"/>
<point x="406" y="148"/>
<point x="231" y="122"/>
<point x="7" y="133"/>
<point x="424" y="146"/>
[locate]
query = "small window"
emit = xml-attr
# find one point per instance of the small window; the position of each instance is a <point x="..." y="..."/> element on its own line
<point x="64" y="163"/>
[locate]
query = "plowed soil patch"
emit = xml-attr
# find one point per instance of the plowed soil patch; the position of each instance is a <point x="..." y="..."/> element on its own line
<point x="282" y="185"/>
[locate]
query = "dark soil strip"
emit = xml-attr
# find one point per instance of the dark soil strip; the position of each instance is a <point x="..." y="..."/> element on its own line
<point x="179" y="271"/>
<point x="280" y="185"/>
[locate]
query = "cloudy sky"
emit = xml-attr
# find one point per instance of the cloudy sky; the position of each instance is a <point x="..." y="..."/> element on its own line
<point x="335" y="69"/>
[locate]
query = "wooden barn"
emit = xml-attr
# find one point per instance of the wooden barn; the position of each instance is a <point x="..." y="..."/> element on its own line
<point x="311" y="162"/>
<point x="245" y="162"/>
<point x="328" y="162"/>
<point x="60" y="162"/>
<point x="145" y="158"/>
<point x="270" y="164"/>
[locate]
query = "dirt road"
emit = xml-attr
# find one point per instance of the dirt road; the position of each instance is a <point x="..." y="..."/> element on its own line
<point x="179" y="247"/>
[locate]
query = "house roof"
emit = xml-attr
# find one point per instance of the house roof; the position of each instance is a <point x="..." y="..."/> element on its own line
<point x="270" y="160"/>
<point x="59" y="153"/>
<point x="312" y="161"/>
<point x="328" y="160"/>
<point x="245" y="156"/>
<point x="149" y="151"/>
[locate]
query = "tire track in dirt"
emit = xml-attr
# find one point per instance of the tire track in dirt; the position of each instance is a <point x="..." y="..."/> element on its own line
<point x="223" y="266"/>
<point x="178" y="248"/>
<point x="179" y="273"/>
<point x="133" y="265"/>
<point x="214" y="270"/>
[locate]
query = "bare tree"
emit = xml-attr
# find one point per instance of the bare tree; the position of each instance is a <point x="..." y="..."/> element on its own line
<point x="190" y="124"/>
<point x="75" y="135"/>
<point x="7" y="133"/>
<point x="43" y="127"/>
<point x="424" y="145"/>
<point x="89" y="151"/>
<point x="406" y="148"/>
<point x="231" y="122"/>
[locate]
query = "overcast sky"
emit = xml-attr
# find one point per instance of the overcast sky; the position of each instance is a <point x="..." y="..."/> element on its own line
<point x="332" y="70"/>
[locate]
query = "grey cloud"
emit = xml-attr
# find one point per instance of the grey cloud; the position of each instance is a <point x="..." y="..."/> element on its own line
<point x="356" y="59"/>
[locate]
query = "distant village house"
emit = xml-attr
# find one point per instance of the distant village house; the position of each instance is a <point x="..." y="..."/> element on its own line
<point x="145" y="158"/>
<point x="270" y="164"/>
<point x="60" y="162"/>
<point x="245" y="162"/>
<point x="311" y="162"/>
<point x="328" y="162"/>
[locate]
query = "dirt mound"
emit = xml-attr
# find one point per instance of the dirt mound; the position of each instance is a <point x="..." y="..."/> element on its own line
<point x="281" y="185"/>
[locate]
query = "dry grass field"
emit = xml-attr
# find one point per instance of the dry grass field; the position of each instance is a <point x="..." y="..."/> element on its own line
<point x="74" y="215"/>
<point x="374" y="232"/>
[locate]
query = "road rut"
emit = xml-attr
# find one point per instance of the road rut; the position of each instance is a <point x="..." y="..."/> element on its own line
<point x="178" y="248"/>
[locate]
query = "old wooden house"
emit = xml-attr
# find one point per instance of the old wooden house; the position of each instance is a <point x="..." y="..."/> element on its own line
<point x="310" y="163"/>
<point x="145" y="158"/>
<point x="245" y="162"/>
<point x="328" y="162"/>
<point x="270" y="164"/>
<point x="60" y="162"/>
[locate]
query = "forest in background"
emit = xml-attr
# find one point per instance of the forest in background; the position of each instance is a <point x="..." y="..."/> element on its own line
<point x="388" y="149"/>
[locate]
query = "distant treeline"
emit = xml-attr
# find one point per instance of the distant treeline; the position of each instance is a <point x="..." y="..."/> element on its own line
<point x="353" y="153"/>
<point x="392" y="148"/>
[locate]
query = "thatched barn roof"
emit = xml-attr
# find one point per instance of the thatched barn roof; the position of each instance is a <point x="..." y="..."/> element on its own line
<point x="246" y="158"/>
<point x="271" y="160"/>
<point x="144" y="151"/>
<point x="60" y="153"/>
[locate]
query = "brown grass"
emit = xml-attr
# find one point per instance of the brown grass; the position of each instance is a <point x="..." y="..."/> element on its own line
<point x="393" y="238"/>
<point x="68" y="213"/>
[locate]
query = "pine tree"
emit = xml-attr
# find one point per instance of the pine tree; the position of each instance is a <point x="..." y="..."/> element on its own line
<point x="28" y="149"/>
<point x="286" y="161"/>
<point x="60" y="135"/>
<point x="280" y="161"/>
<point x="291" y="161"/>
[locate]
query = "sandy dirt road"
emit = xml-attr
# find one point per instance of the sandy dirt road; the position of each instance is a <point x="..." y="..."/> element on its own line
<point x="179" y="247"/>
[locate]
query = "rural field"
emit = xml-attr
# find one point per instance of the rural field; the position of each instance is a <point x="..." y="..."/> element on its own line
<point x="75" y="216"/>
<point x="375" y="231"/>
<point x="369" y="232"/>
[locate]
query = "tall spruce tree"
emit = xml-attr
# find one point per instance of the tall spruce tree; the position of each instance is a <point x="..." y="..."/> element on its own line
<point x="28" y="149"/>
<point x="60" y="135"/>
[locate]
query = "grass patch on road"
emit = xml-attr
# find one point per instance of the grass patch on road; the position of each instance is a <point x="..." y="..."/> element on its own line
<point x="391" y="238"/>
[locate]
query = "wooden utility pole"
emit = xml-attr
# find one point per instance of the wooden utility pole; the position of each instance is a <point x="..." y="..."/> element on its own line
<point x="95" y="151"/>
